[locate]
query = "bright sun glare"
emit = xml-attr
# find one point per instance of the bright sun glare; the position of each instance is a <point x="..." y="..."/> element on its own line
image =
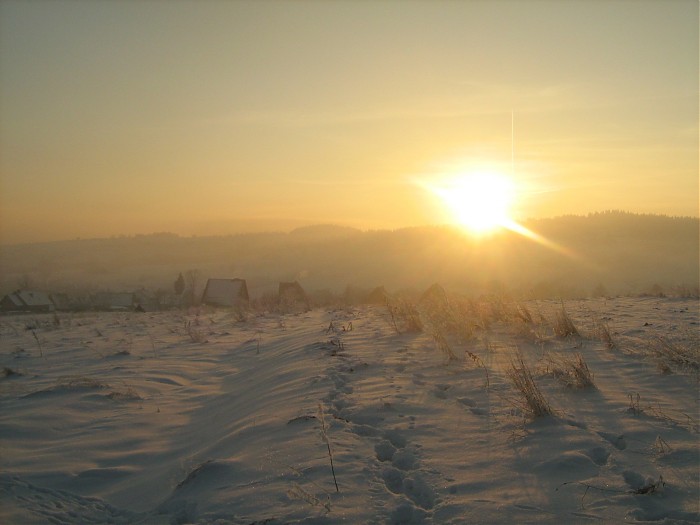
<point x="479" y="202"/>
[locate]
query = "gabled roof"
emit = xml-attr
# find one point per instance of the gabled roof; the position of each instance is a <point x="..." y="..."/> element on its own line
<point x="225" y="292"/>
<point x="291" y="290"/>
<point x="33" y="298"/>
<point x="13" y="298"/>
<point x="27" y="300"/>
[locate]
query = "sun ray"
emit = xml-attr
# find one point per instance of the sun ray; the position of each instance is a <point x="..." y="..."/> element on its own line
<point x="480" y="202"/>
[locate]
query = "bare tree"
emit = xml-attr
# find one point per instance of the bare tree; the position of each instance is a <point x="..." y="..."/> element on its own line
<point x="193" y="279"/>
<point x="179" y="285"/>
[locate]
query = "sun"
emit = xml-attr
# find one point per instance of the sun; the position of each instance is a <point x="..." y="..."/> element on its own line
<point x="480" y="202"/>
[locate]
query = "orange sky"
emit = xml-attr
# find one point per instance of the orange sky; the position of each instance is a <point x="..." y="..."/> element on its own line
<point x="225" y="116"/>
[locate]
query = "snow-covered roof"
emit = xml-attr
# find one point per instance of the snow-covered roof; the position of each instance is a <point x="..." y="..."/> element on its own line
<point x="27" y="300"/>
<point x="33" y="298"/>
<point x="225" y="292"/>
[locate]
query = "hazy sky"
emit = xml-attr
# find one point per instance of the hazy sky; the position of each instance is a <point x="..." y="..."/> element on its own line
<point x="197" y="117"/>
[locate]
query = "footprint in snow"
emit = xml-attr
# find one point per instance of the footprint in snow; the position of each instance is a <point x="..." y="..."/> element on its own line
<point x="404" y="460"/>
<point x="384" y="450"/>
<point x="616" y="440"/>
<point x="406" y="513"/>
<point x="396" y="438"/>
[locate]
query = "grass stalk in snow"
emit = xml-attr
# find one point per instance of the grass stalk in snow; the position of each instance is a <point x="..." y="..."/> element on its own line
<point x="196" y="334"/>
<point x="573" y="372"/>
<point x="324" y="437"/>
<point x="38" y="342"/>
<point x="299" y="493"/>
<point x="404" y="317"/>
<point x="672" y="354"/>
<point x="563" y="325"/>
<point x="602" y="331"/>
<point x="534" y="403"/>
<point x="522" y="313"/>
<point x="479" y="362"/>
<point x="444" y="345"/>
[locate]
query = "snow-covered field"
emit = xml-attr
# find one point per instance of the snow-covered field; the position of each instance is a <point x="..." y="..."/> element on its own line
<point x="177" y="417"/>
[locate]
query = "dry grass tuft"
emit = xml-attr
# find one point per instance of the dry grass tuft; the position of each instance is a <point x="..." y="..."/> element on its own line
<point x="443" y="345"/>
<point x="601" y="330"/>
<point x="669" y="415"/>
<point x="404" y="316"/>
<point x="195" y="332"/>
<point x="449" y="315"/>
<point x="563" y="325"/>
<point x="479" y="362"/>
<point x="533" y="401"/>
<point x="127" y="394"/>
<point x="533" y="332"/>
<point x="522" y="313"/>
<point x="670" y="355"/>
<point x="572" y="371"/>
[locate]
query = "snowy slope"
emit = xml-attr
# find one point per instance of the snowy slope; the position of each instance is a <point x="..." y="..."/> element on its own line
<point x="206" y="418"/>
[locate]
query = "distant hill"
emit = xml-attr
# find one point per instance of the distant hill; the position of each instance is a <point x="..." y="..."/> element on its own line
<point x="324" y="231"/>
<point x="614" y="251"/>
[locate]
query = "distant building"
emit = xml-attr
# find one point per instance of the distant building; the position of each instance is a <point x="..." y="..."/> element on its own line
<point x="27" y="301"/>
<point x="225" y="292"/>
<point x="62" y="301"/>
<point x="113" y="301"/>
<point x="291" y="295"/>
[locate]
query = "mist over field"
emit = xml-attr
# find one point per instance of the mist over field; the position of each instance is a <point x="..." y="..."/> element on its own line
<point x="603" y="253"/>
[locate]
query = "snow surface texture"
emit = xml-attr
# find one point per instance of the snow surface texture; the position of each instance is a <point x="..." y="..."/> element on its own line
<point x="207" y="418"/>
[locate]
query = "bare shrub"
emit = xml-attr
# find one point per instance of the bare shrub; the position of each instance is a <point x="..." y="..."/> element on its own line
<point x="533" y="401"/>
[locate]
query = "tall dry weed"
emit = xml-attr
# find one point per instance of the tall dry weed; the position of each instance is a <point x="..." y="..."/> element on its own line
<point x="443" y="345"/>
<point x="533" y="401"/>
<point x="563" y="324"/>
<point x="601" y="330"/>
<point x="404" y="316"/>
<point x="450" y="316"/>
<point x="572" y="371"/>
<point x="682" y="355"/>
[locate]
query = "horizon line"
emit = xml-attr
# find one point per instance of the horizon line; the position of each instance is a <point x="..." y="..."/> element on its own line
<point x="121" y="236"/>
